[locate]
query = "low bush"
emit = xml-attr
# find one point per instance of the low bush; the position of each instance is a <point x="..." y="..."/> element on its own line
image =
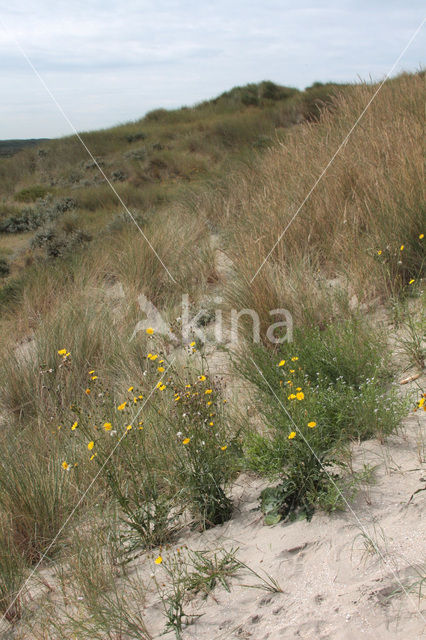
<point x="4" y="268"/>
<point x="318" y="394"/>
<point x="57" y="242"/>
<point x="31" y="194"/>
<point x="31" y="218"/>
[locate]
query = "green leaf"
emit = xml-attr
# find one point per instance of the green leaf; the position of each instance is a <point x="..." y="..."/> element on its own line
<point x="272" y="519"/>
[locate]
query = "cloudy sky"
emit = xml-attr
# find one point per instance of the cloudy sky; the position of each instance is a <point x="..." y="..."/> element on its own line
<point x="108" y="62"/>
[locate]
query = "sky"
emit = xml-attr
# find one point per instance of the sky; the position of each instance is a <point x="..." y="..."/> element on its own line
<point x="109" y="62"/>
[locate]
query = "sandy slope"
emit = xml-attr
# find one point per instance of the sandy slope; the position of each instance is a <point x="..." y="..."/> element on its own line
<point x="334" y="585"/>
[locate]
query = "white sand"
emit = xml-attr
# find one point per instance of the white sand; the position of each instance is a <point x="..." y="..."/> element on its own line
<point x="334" y="587"/>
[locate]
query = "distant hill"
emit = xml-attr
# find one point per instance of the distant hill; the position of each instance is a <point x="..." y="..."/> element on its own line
<point x="8" y="148"/>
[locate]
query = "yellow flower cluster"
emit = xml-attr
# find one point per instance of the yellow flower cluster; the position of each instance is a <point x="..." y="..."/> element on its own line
<point x="312" y="424"/>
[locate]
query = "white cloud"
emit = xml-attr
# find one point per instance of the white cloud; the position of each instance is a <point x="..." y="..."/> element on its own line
<point x="112" y="61"/>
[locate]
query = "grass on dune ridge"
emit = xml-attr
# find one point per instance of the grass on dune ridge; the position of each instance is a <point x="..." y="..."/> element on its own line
<point x="78" y="396"/>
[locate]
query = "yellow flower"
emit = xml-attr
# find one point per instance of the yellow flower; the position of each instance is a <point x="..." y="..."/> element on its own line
<point x="186" y="441"/>
<point x="129" y="426"/>
<point x="162" y="387"/>
<point x="281" y="363"/>
<point x="90" y="445"/>
<point x="207" y="391"/>
<point x="298" y="388"/>
<point x="379" y="253"/>
<point x="225" y="446"/>
<point x="192" y="344"/>
<point x="158" y="560"/>
<point x="292" y="370"/>
<point x="107" y="426"/>
<point x="291" y="396"/>
<point x="150" y="331"/>
<point x="209" y="403"/>
<point x="160" y="369"/>
<point x="421" y="236"/>
<point x="422" y="401"/>
<point x="74" y="426"/>
<point x="154" y="357"/>
<point x="88" y="391"/>
<point x="294" y="358"/>
<point x="312" y="424"/>
<point x="401" y="248"/>
<point x="292" y="435"/>
<point x="140" y="397"/>
<point x="93" y="456"/>
<point x="94" y="378"/>
<point x="65" y="465"/>
<point x="411" y="281"/>
<point x="177" y="398"/>
<point x="121" y="406"/>
<point x="130" y="389"/>
<point x="91" y="372"/>
<point x="62" y="352"/>
<point x="300" y="395"/>
<point x="202" y="378"/>
<point x="135" y="400"/>
<point x="211" y="424"/>
<point x="187" y="386"/>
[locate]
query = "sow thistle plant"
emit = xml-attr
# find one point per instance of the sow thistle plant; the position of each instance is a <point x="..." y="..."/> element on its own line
<point x="161" y="448"/>
<point x="334" y="389"/>
<point x="125" y="449"/>
<point x="202" y="454"/>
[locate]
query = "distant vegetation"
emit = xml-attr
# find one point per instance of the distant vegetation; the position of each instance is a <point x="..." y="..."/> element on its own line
<point x="164" y="159"/>
<point x="8" y="148"/>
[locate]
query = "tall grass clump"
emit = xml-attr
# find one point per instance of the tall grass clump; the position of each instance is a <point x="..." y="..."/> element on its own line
<point x="97" y="599"/>
<point x="13" y="570"/>
<point x="34" y="495"/>
<point x="361" y="230"/>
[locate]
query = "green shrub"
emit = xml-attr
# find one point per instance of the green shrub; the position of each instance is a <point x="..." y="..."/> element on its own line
<point x="4" y="268"/>
<point x="58" y="242"/>
<point x="316" y="98"/>
<point x="317" y="395"/>
<point x="31" y="218"/>
<point x="31" y="194"/>
<point x="135" y="137"/>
